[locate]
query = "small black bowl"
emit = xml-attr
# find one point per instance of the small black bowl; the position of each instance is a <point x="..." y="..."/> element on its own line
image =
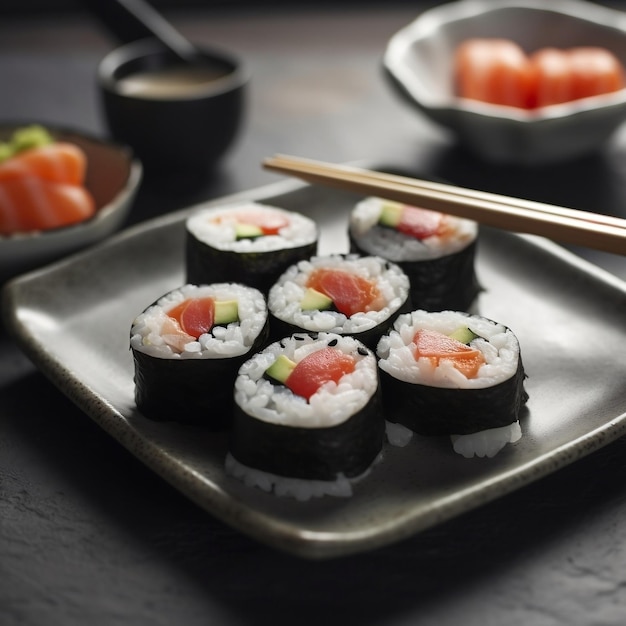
<point x="184" y="131"/>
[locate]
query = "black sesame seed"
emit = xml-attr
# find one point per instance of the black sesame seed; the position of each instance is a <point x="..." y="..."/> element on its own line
<point x="333" y="342"/>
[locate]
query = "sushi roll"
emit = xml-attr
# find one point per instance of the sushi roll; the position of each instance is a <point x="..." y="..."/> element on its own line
<point x="307" y="419"/>
<point x="436" y="250"/>
<point x="343" y="294"/>
<point x="188" y="346"/>
<point x="451" y="373"/>
<point x="247" y="243"/>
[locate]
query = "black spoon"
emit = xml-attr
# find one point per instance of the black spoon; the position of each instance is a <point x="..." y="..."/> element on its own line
<point x="131" y="20"/>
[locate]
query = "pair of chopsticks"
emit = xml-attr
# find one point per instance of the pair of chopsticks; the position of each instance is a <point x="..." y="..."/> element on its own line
<point x="571" y="226"/>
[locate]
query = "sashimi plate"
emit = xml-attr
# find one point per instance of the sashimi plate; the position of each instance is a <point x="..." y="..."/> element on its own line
<point x="72" y="319"/>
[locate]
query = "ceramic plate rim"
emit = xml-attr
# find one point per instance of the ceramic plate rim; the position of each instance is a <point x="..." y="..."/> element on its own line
<point x="272" y="529"/>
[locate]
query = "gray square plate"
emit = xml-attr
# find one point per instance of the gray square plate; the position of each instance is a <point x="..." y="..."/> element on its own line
<point x="73" y="319"/>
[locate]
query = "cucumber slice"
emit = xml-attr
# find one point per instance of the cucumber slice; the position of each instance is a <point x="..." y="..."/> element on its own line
<point x="281" y="368"/>
<point x="226" y="311"/>
<point x="315" y="300"/>
<point x="247" y="231"/>
<point x="463" y="334"/>
<point x="390" y="214"/>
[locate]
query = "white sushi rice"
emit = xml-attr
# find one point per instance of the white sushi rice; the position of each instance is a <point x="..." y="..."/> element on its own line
<point x="216" y="227"/>
<point x="285" y="296"/>
<point x="332" y="404"/>
<point x="486" y="443"/>
<point x="497" y="343"/>
<point x="396" y="246"/>
<point x="398" y="435"/>
<point x="298" y="488"/>
<point x="233" y="339"/>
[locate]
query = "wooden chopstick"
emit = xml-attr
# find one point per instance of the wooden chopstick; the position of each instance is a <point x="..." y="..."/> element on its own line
<point x="572" y="226"/>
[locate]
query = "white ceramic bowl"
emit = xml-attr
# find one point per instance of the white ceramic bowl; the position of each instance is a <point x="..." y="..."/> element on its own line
<point x="113" y="177"/>
<point x="419" y="62"/>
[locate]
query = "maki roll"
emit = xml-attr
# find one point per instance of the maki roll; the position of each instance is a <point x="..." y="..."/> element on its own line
<point x="450" y="373"/>
<point x="307" y="419"/>
<point x="436" y="250"/>
<point x="247" y="243"/>
<point x="343" y="294"/>
<point x="188" y="346"/>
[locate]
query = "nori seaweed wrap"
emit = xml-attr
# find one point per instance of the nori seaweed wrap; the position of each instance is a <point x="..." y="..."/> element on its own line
<point x="307" y="412"/>
<point x="248" y="243"/>
<point x="437" y="251"/>
<point x="450" y="373"/>
<point x="429" y="410"/>
<point x="343" y="294"/>
<point x="187" y="349"/>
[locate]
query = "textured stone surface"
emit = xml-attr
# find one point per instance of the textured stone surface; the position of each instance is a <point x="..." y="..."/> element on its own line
<point x="89" y="536"/>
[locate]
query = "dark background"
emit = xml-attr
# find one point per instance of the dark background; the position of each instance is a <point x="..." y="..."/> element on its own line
<point x="26" y="7"/>
<point x="15" y="7"/>
<point x="89" y="536"/>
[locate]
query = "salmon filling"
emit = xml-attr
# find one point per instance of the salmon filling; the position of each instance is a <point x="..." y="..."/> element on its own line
<point x="195" y="316"/>
<point x="251" y="223"/>
<point x="439" y="347"/>
<point x="318" y="368"/>
<point x="350" y="293"/>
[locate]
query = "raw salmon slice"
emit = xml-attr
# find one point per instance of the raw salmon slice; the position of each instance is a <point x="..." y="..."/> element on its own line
<point x="195" y="316"/>
<point x="439" y="347"/>
<point x="576" y="73"/>
<point x="566" y="75"/>
<point x="318" y="368"/>
<point x="59" y="162"/>
<point x="350" y="293"/>
<point x="29" y="203"/>
<point x="493" y="70"/>
<point x="499" y="72"/>
<point x="174" y="336"/>
<point x="553" y="77"/>
<point x="419" y="223"/>
<point x="269" y="222"/>
<point x="596" y="71"/>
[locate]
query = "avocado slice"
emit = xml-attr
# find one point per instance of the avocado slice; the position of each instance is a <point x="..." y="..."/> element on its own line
<point x="315" y="300"/>
<point x="226" y="311"/>
<point x="281" y="368"/>
<point x="247" y="231"/>
<point x="463" y="334"/>
<point x="25" y="138"/>
<point x="28" y="137"/>
<point x="390" y="214"/>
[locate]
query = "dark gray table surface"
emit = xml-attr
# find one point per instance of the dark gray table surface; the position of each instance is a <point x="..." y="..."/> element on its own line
<point x="89" y="536"/>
